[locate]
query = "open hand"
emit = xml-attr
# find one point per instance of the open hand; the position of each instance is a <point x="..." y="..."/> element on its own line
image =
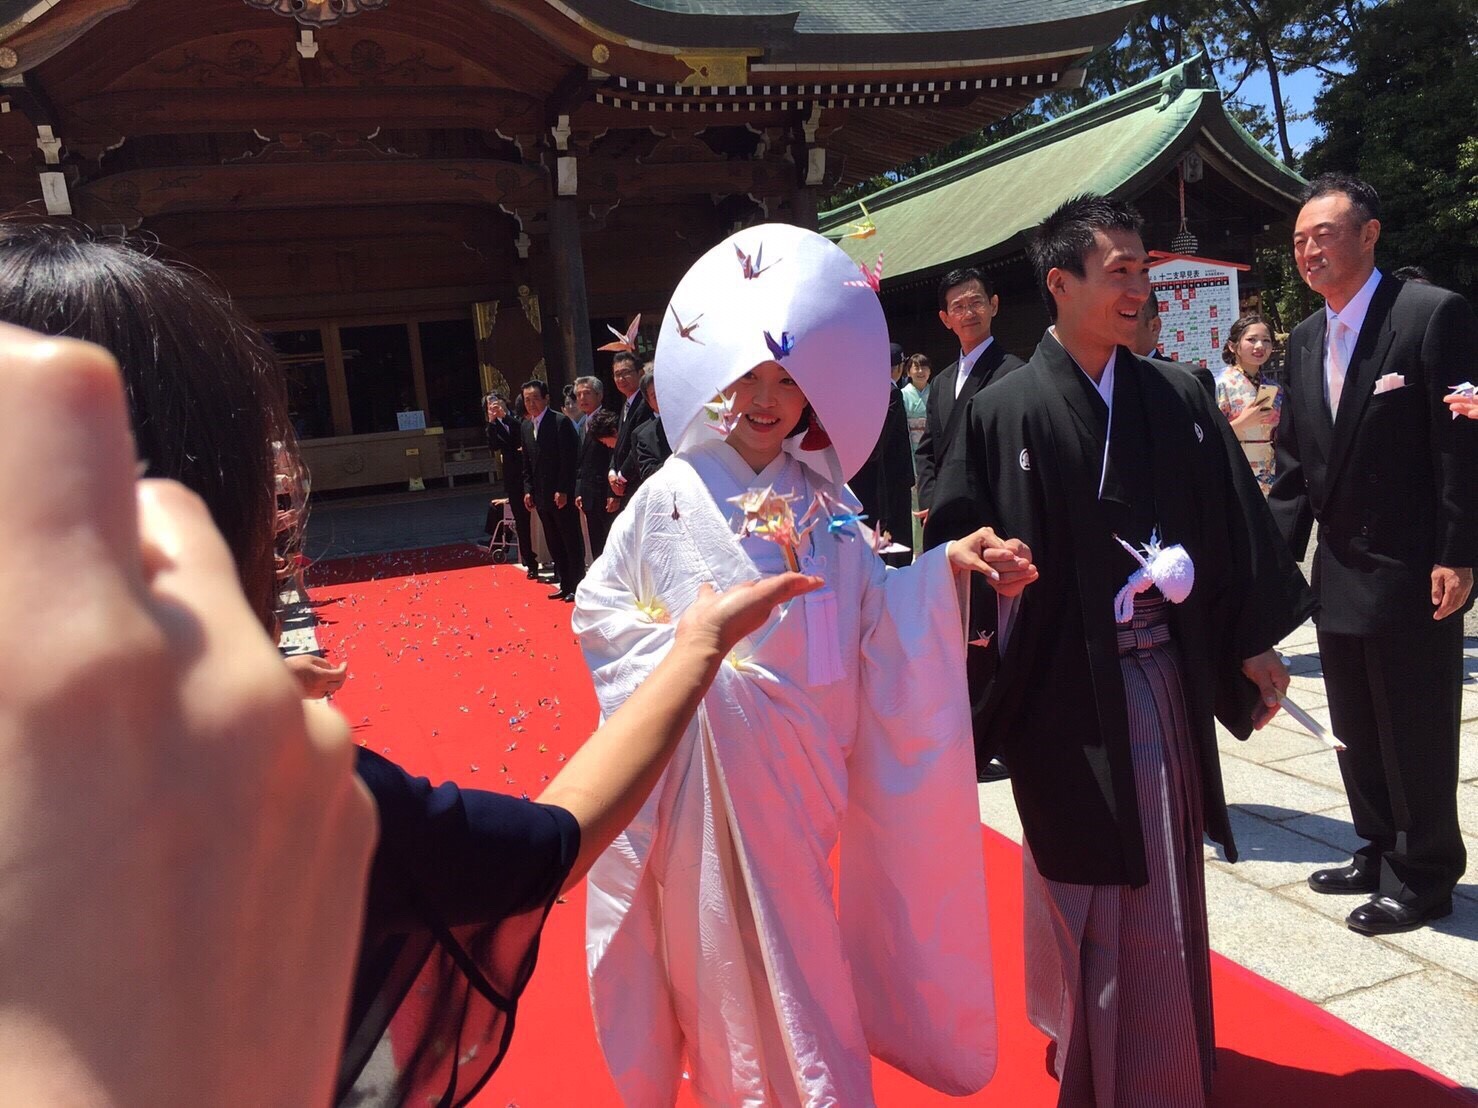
<point x="721" y="619"/>
<point x="317" y="677"/>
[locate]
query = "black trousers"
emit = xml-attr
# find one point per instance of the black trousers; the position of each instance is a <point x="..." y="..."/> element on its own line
<point x="1395" y="700"/>
<point x="566" y="542"/>
<point x="598" y="523"/>
<point x="523" y="524"/>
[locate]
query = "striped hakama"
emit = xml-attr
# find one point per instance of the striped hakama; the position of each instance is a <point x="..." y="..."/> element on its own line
<point x="1120" y="977"/>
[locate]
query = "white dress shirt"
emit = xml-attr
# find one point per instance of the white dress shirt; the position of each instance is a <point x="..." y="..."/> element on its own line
<point x="1353" y="318"/>
<point x="967" y="364"/>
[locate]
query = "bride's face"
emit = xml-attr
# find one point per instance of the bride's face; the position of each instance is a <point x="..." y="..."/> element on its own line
<point x="767" y="406"/>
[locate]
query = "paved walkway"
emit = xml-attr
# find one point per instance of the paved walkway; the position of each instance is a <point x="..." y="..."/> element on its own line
<point x="1418" y="991"/>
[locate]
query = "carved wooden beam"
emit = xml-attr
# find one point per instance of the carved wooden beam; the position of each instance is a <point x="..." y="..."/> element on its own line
<point x="30" y="44"/>
<point x="109" y="117"/>
<point x="604" y="179"/>
<point x="131" y="197"/>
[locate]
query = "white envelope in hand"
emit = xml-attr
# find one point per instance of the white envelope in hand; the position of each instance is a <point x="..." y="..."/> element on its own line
<point x="1389" y="383"/>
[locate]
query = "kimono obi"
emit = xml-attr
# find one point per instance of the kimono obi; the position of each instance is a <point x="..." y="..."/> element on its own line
<point x="1150" y="626"/>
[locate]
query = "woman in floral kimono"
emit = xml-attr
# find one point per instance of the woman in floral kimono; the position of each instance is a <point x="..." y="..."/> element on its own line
<point x="1251" y="404"/>
<point x="720" y="944"/>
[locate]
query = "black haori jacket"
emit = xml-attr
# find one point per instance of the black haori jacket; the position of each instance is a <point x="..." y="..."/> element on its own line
<point x="1028" y="464"/>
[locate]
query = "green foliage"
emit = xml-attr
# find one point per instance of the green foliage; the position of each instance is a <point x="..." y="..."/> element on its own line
<point x="1240" y="37"/>
<point x="1285" y="298"/>
<point x="1403" y="118"/>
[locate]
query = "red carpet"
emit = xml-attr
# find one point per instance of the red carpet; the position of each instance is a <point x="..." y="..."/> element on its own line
<point x="460" y="669"/>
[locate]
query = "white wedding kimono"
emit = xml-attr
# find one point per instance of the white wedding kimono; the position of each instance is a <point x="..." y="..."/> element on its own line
<point x="717" y="940"/>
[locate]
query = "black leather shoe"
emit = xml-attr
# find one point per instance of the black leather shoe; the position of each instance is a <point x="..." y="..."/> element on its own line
<point x="559" y="594"/>
<point x="1387" y="916"/>
<point x="569" y="598"/>
<point x="993" y="770"/>
<point x="533" y="573"/>
<point x="1344" y="879"/>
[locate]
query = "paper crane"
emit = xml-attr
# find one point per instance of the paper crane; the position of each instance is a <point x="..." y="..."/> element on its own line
<point x="865" y="229"/>
<point x="720" y="411"/>
<point x="686" y="330"/>
<point x="626" y="342"/>
<point x="871" y="278"/>
<point x="769" y="515"/>
<point x="783" y="347"/>
<point x="751" y="267"/>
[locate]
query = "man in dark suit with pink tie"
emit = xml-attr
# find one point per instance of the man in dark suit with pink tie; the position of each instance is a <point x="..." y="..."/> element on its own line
<point x="1368" y="448"/>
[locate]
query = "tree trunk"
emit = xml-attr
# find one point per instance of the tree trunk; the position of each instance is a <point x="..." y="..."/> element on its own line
<point x="1270" y="62"/>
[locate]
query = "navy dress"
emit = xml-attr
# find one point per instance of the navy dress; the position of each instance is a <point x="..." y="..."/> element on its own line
<point x="460" y="885"/>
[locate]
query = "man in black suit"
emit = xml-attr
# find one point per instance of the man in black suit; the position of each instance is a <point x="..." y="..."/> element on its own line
<point x="551" y="451"/>
<point x="967" y="305"/>
<point x="506" y="437"/>
<point x="649" y="445"/>
<point x="1147" y="345"/>
<point x="633" y="413"/>
<point x="592" y="489"/>
<point x="885" y="482"/>
<point x="1367" y="447"/>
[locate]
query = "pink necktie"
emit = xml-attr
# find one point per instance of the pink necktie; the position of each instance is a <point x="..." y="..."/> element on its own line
<point x="1334" y="362"/>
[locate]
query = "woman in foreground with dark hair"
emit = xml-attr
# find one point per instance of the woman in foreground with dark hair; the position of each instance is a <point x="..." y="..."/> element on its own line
<point x="462" y="880"/>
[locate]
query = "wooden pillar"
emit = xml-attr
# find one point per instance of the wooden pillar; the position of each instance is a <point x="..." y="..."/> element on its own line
<point x="571" y="307"/>
<point x="418" y="370"/>
<point x="338" y="383"/>
<point x="803" y="208"/>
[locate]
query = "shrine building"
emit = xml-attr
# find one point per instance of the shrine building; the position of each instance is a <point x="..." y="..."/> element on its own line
<point x="1203" y="184"/>
<point x="421" y="200"/>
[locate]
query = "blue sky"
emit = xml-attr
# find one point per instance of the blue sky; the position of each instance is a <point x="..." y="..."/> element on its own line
<point x="1299" y="90"/>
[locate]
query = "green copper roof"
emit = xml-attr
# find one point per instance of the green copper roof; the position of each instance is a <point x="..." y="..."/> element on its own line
<point x="859" y="31"/>
<point x="985" y="204"/>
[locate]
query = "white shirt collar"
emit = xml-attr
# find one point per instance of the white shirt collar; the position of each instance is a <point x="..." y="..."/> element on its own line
<point x="1353" y="313"/>
<point x="538" y="418"/>
<point x="967" y="364"/>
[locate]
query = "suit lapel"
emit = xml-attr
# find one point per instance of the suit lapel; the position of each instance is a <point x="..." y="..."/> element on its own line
<point x="980" y="375"/>
<point x="1365" y="366"/>
<point x="947" y="395"/>
<point x="1311" y="388"/>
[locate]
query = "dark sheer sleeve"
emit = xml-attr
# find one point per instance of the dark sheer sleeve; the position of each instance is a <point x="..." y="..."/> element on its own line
<point x="460" y="886"/>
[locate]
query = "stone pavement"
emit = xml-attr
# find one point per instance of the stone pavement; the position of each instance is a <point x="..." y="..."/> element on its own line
<point x="398" y="521"/>
<point x="1417" y="991"/>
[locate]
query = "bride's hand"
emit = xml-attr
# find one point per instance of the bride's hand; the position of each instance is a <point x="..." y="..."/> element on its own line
<point x="1005" y="563"/>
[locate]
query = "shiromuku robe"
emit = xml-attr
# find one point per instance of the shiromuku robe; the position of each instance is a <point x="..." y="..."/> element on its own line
<point x="716" y="933"/>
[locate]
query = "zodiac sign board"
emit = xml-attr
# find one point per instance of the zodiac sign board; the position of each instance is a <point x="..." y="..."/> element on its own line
<point x="1198" y="305"/>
